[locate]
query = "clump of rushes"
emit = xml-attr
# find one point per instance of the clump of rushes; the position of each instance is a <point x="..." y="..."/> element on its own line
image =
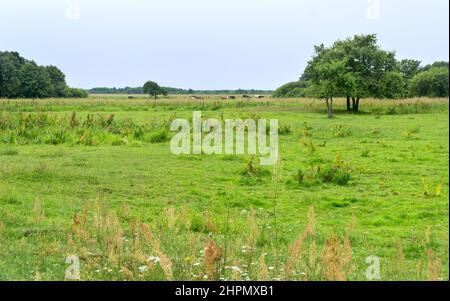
<point x="285" y="130"/>
<point x="92" y="130"/>
<point x="337" y="174"/>
<point x="340" y="131"/>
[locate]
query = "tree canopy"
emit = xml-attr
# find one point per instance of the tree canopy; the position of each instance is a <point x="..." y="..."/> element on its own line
<point x="292" y="89"/>
<point x="21" y="78"/>
<point x="153" y="89"/>
<point x="358" y="68"/>
<point x="431" y="83"/>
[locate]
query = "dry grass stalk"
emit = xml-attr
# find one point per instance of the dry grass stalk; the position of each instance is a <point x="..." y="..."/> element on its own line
<point x="125" y="211"/>
<point x="165" y="262"/>
<point x="311" y="221"/>
<point x="352" y="225"/>
<point x="332" y="260"/>
<point x="254" y="229"/>
<point x="136" y="234"/>
<point x="119" y="242"/>
<point x="400" y="260"/>
<point x="428" y="235"/>
<point x="419" y="270"/>
<point x="263" y="274"/>
<point x="38" y="210"/>
<point x="79" y="224"/>
<point x="433" y="266"/>
<point x="210" y="225"/>
<point x="171" y="218"/>
<point x="213" y="254"/>
<point x="37" y="276"/>
<point x="296" y="247"/>
<point x="127" y="273"/>
<point x="347" y="258"/>
<point x="183" y="217"/>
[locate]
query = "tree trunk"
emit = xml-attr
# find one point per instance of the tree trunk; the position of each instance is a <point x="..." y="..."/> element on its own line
<point x="357" y="105"/>
<point x="349" y="107"/>
<point x="330" y="107"/>
<point x="354" y="104"/>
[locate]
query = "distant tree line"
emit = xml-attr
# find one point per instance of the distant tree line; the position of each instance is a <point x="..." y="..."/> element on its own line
<point x="169" y="90"/>
<point x="358" y="68"/>
<point x="21" y="78"/>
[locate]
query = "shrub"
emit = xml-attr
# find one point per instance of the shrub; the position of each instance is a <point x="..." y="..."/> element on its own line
<point x="158" y="137"/>
<point x="340" y="131"/>
<point x="336" y="175"/>
<point x="293" y="89"/>
<point x="431" y="83"/>
<point x="285" y="130"/>
<point x="75" y="93"/>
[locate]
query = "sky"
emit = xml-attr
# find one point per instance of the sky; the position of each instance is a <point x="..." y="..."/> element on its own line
<point x="210" y="44"/>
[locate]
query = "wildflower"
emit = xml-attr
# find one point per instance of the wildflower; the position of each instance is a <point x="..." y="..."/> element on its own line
<point x="154" y="259"/>
<point x="143" y="269"/>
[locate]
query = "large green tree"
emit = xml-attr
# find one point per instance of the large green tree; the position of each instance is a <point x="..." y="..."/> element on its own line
<point x="330" y="78"/>
<point x="367" y="65"/>
<point x="153" y="89"/>
<point x="35" y="82"/>
<point x="58" y="80"/>
<point x="20" y="78"/>
<point x="10" y="65"/>
<point x="409" y="68"/>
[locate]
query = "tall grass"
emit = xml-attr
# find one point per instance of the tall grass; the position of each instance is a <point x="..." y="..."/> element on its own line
<point x="114" y="245"/>
<point x="93" y="129"/>
<point x="212" y="103"/>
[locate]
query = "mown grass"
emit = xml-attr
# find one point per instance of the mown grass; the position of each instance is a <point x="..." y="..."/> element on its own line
<point x="368" y="184"/>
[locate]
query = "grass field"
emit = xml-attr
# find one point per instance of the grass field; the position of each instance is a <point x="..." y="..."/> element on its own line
<point x="107" y="189"/>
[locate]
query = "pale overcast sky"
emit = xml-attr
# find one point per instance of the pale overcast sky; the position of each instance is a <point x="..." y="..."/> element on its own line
<point x="209" y="44"/>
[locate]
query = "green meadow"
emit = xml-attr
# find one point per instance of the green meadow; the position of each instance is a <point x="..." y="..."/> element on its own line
<point x="95" y="178"/>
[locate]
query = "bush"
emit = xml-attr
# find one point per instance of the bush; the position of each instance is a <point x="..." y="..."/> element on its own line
<point x="340" y="131"/>
<point x="336" y="175"/>
<point x="293" y="89"/>
<point x="285" y="130"/>
<point x="75" y="93"/>
<point x="431" y="83"/>
<point x="158" y="137"/>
